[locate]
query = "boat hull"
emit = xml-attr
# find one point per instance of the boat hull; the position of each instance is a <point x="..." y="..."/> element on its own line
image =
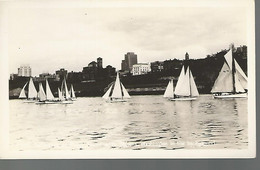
<point x="54" y="102"/>
<point x="113" y="100"/>
<point x="184" y="99"/>
<point x="241" y="95"/>
<point x="29" y="101"/>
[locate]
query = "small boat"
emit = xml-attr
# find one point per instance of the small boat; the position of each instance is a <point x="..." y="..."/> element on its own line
<point x="32" y="92"/>
<point x="185" y="89"/>
<point x="72" y="93"/>
<point x="48" y="98"/>
<point x="116" y="92"/>
<point x="231" y="81"/>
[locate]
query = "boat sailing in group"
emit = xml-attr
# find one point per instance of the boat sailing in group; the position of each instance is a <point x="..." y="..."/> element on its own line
<point x="64" y="95"/>
<point x="116" y="92"/>
<point x="230" y="83"/>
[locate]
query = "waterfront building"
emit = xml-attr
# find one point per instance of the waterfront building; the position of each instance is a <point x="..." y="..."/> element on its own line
<point x="157" y="66"/>
<point x="141" y="68"/>
<point x="25" y="71"/>
<point x="129" y="61"/>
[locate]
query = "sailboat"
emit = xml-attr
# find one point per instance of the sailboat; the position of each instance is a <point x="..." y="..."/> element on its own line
<point x="116" y="92"/>
<point x="72" y="93"/>
<point x="32" y="93"/>
<point x="231" y="81"/>
<point x="64" y="95"/>
<point x="185" y="89"/>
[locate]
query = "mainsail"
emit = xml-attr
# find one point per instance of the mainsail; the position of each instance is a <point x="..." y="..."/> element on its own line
<point x="194" y="90"/>
<point x="179" y="86"/>
<point x="117" y="92"/>
<point x="22" y="94"/>
<point x="186" y="85"/>
<point x="64" y="90"/>
<point x="42" y="96"/>
<point x="72" y="92"/>
<point x="49" y="95"/>
<point x="169" y="92"/>
<point x="60" y="94"/>
<point x="32" y="93"/>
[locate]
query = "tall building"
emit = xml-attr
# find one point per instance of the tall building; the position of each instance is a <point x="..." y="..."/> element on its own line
<point x="99" y="62"/>
<point x="129" y="61"/>
<point x="187" y="56"/>
<point x="25" y="71"/>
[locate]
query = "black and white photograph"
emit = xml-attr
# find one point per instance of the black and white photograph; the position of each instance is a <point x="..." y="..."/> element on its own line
<point x="128" y="79"/>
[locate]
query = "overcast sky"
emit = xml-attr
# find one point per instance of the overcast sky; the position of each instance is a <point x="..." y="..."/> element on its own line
<point x="51" y="38"/>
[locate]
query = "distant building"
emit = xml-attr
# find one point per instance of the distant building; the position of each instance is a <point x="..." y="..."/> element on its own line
<point x="75" y="76"/>
<point x="129" y="61"/>
<point x="62" y="73"/>
<point x="95" y="71"/>
<point x="99" y="62"/>
<point x="170" y="65"/>
<point x="110" y="71"/>
<point x="141" y="68"/>
<point x="44" y="76"/>
<point x="187" y="56"/>
<point x="25" y="71"/>
<point x="156" y="66"/>
<point x="13" y="76"/>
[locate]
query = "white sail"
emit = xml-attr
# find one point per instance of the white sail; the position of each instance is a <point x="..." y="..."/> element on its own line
<point x="238" y="85"/>
<point x="72" y="92"/>
<point x="241" y="75"/>
<point x="117" y="92"/>
<point x="60" y="94"/>
<point x="180" y="82"/>
<point x="228" y="57"/>
<point x="22" y="94"/>
<point x="67" y="95"/>
<point x="125" y="93"/>
<point x="42" y="96"/>
<point x="106" y="95"/>
<point x="169" y="92"/>
<point x="32" y="93"/>
<point x="194" y="90"/>
<point x="184" y="89"/>
<point x="224" y="82"/>
<point x="49" y="94"/>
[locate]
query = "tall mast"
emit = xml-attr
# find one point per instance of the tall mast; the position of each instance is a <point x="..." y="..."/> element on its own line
<point x="233" y="70"/>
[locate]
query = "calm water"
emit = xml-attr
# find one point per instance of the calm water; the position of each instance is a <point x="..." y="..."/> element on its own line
<point x="144" y="122"/>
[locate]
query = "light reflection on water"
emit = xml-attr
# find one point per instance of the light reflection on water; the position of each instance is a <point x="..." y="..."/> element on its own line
<point x="144" y="122"/>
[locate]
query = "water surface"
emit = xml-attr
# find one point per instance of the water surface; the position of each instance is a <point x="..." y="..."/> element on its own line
<point x="144" y="122"/>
